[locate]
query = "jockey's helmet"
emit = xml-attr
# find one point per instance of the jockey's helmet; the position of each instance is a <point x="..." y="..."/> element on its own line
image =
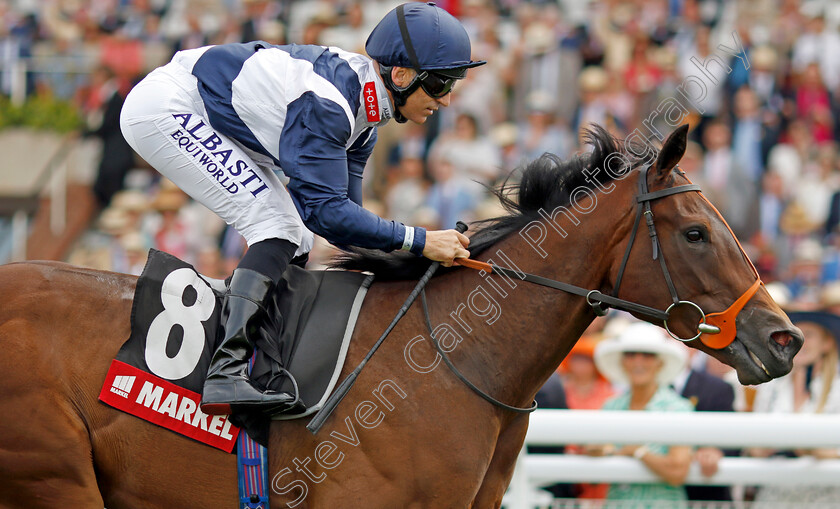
<point x="426" y="38"/>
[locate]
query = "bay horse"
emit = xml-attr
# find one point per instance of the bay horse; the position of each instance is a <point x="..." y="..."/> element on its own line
<point x="409" y="434"/>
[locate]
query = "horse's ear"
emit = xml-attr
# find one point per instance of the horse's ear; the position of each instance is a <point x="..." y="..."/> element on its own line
<point x="672" y="150"/>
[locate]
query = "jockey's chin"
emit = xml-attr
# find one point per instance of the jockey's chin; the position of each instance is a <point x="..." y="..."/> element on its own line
<point x="419" y="106"/>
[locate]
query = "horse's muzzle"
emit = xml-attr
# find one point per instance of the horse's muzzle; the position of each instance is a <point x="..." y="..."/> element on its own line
<point x="764" y="348"/>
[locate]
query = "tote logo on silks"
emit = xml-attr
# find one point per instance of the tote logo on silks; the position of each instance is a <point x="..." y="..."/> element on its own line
<point x="371" y="102"/>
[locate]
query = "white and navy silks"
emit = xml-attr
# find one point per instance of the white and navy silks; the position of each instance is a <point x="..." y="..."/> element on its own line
<point x="231" y="124"/>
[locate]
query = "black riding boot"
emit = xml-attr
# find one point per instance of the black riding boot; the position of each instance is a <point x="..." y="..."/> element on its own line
<point x="227" y="380"/>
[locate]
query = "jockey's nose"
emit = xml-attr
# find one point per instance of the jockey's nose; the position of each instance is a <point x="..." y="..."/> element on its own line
<point x="445" y="100"/>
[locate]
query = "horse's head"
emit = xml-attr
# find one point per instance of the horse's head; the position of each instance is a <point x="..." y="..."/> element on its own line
<point x="711" y="274"/>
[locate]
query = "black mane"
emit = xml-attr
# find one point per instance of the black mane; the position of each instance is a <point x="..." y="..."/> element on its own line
<point x="544" y="183"/>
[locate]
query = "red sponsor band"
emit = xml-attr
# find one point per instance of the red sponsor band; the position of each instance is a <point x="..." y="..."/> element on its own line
<point x="161" y="402"/>
<point x="371" y="102"/>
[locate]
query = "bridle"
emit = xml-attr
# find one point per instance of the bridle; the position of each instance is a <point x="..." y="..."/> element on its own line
<point x="720" y="324"/>
<point x="715" y="330"/>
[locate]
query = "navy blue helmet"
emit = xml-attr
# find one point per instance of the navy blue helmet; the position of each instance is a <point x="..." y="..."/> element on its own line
<point x="425" y="38"/>
<point x="438" y="38"/>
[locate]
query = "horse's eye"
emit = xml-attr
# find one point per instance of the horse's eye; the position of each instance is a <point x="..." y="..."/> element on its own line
<point x="694" y="235"/>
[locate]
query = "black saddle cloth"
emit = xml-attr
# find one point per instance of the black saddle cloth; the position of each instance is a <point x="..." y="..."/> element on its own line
<point x="311" y="319"/>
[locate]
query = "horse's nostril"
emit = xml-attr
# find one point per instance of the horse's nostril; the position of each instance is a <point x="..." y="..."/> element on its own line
<point x="782" y="338"/>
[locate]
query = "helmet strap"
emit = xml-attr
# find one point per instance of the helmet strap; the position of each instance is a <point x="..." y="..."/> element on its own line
<point x="409" y="47"/>
<point x="399" y="94"/>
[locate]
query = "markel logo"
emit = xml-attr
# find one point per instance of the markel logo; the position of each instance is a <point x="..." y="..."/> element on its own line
<point x="122" y="385"/>
<point x="163" y="403"/>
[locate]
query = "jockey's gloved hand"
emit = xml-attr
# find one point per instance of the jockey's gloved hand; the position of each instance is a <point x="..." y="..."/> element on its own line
<point x="445" y="245"/>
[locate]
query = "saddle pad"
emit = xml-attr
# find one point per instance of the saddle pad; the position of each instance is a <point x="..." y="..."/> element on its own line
<point x="159" y="372"/>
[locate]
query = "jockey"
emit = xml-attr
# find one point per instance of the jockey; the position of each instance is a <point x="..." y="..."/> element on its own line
<point x="274" y="139"/>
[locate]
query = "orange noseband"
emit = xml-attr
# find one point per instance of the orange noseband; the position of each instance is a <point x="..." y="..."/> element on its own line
<point x="725" y="320"/>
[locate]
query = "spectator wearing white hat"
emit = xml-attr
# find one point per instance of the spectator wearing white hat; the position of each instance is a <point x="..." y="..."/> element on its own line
<point x="644" y="359"/>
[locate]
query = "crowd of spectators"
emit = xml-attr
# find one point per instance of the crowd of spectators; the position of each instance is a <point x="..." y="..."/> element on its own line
<point x="758" y="80"/>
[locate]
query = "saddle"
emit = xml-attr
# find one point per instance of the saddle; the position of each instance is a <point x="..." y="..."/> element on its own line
<point x="312" y="316"/>
<point x="174" y="320"/>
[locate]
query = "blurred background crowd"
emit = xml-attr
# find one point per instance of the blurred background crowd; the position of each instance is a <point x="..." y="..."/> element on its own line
<point x="764" y="135"/>
<point x="763" y="75"/>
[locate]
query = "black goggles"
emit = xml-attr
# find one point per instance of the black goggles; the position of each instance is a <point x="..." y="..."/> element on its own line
<point x="435" y="85"/>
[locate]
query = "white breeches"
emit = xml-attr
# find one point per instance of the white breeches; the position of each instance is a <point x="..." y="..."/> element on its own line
<point x="164" y="120"/>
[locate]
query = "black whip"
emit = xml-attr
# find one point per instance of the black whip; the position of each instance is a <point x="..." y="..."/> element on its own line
<point x="335" y="398"/>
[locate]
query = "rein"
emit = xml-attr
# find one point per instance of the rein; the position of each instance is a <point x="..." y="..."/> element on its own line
<point x="716" y="330"/>
<point x="460" y="375"/>
<point x="593" y="297"/>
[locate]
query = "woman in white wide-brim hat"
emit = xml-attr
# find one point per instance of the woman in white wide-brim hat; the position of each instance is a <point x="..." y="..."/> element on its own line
<point x="646" y="360"/>
<point x="642" y="337"/>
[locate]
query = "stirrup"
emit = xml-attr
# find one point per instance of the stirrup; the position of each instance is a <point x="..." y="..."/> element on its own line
<point x="295" y="404"/>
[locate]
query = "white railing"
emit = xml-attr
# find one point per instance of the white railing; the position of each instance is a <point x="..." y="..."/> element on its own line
<point x="721" y="429"/>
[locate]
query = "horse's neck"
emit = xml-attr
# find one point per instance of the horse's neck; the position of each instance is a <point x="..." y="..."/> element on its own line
<point x="512" y="352"/>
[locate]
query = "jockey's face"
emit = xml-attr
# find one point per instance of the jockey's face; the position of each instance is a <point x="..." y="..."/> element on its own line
<point x="419" y="106"/>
